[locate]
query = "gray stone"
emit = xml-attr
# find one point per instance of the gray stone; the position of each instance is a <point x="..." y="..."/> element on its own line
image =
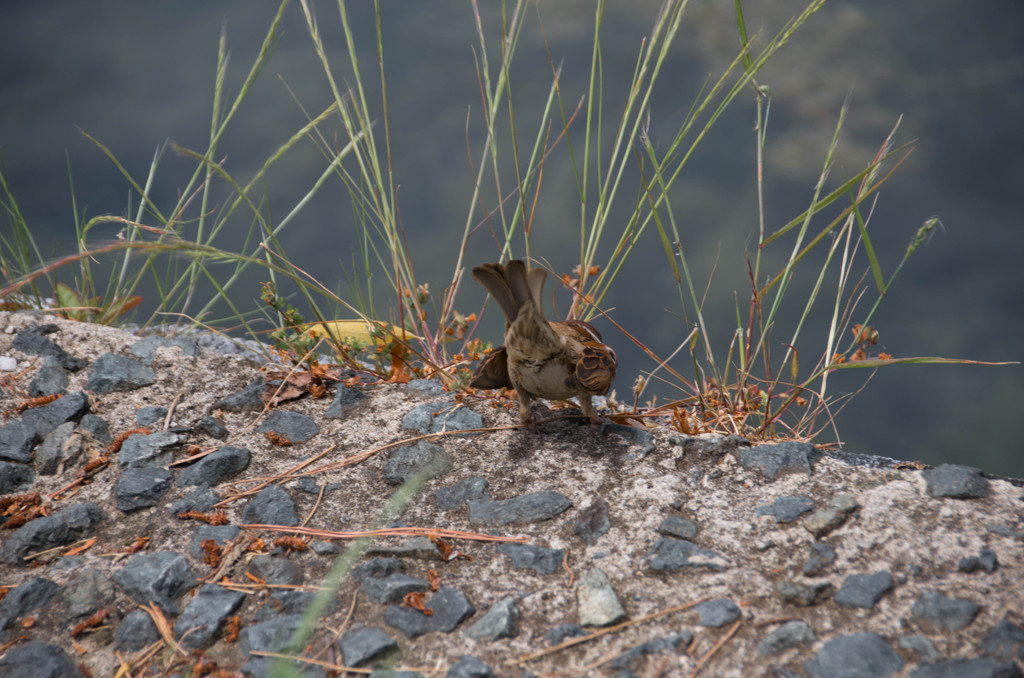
<point x="821" y="555"/>
<point x="205" y="614"/>
<point x="630" y="659"/>
<point x="469" y="666"/>
<point x="393" y="588"/>
<point x="51" y="379"/>
<point x="220" y="534"/>
<point x="858" y="655"/>
<point x="272" y="506"/>
<point x="136" y="631"/>
<point x="919" y="645"/>
<point x="212" y="426"/>
<point x="14" y="477"/>
<point x="150" y="416"/>
<point x="274" y="570"/>
<point x="633" y="436"/>
<point x="1005" y="640"/>
<point x="155" y="449"/>
<point x="273" y="635"/>
<point x="790" y="634"/>
<point x="293" y="426"/>
<point x="345" y="399"/>
<point x="933" y="610"/>
<point x="22" y="599"/>
<point x="454" y="496"/>
<point x="822" y="522"/>
<point x="17" y="440"/>
<point x="145" y="349"/>
<point x="290" y="602"/>
<point x="563" y="632"/>
<point x="97" y="427"/>
<point x="377" y="567"/>
<point x="982" y="667"/>
<point x="441" y="415"/>
<point x="669" y="555"/>
<point x="201" y="500"/>
<point x="424" y="457"/>
<point x="537" y="558"/>
<point x="717" y="613"/>
<point x="450" y="607"/>
<point x="593" y="521"/>
<point x="249" y="399"/>
<point x="64" y="527"/>
<point x="159" y="578"/>
<point x="87" y="591"/>
<point x="776" y="459"/>
<point x="60" y="450"/>
<point x="676" y="526"/>
<point x="786" y="509"/>
<point x="216" y="467"/>
<point x="366" y="644"/>
<point x="801" y="594"/>
<point x="863" y="590"/>
<point x="526" y="508"/>
<point x="598" y="605"/>
<point x="500" y="621"/>
<point x="71" y="407"/>
<point x="141" y="487"/>
<point x="37" y="660"/>
<point x="986" y="561"/>
<point x="112" y="372"/>
<point x="425" y="387"/>
<point x="33" y="341"/>
<point x="954" y="481"/>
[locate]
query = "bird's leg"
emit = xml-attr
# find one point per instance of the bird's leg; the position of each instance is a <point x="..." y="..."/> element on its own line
<point x="525" y="414"/>
<point x="587" y="407"/>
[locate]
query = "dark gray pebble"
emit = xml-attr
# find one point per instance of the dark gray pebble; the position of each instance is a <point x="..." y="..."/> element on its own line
<point x="526" y="508"/>
<point x="392" y="588"/>
<point x="162" y="578"/>
<point x="983" y="667"/>
<point x="272" y="506"/>
<point x="780" y="458"/>
<point x="17" y="440"/>
<point x="145" y="349"/>
<point x="63" y="527"/>
<point x="112" y="372"/>
<point x="716" y="613"/>
<point x="424" y="457"/>
<point x="205" y="614"/>
<point x="71" y="407"/>
<point x="377" y="567"/>
<point x="293" y="426"/>
<point x="141" y="487"/>
<point x="858" y="655"/>
<point x="19" y="601"/>
<point x="1005" y="640"/>
<point x="790" y="634"/>
<point x="37" y="660"/>
<point x="221" y="534"/>
<point x="345" y="399"/>
<point x="669" y="554"/>
<point x="954" y="481"/>
<point x="49" y="380"/>
<point x="249" y="399"/>
<point x="34" y="342"/>
<point x="628" y="660"/>
<point x="450" y="607"/>
<point x="15" y="477"/>
<point x="469" y="666"/>
<point x="441" y="415"/>
<point x="986" y="560"/>
<point x="365" y="644"/>
<point x="563" y="632"/>
<point x="677" y="526"/>
<point x="786" y="509"/>
<point x="155" y="449"/>
<point x="136" y="631"/>
<point x="60" y="450"/>
<point x="820" y="556"/>
<point x="500" y="621"/>
<point x="150" y="416"/>
<point x="86" y="591"/>
<point x="863" y="590"/>
<point x="454" y="496"/>
<point x="803" y="595"/>
<point x="940" y="613"/>
<point x="211" y="426"/>
<point x="275" y="570"/>
<point x="216" y="467"/>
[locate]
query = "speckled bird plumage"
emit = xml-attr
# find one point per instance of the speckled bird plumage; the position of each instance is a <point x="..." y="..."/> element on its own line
<point x="541" y="359"/>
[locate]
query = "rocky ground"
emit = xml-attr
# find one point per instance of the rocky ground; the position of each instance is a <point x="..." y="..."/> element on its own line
<point x="557" y="550"/>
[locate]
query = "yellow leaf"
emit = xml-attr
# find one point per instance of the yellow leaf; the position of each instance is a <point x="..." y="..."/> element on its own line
<point x="360" y="330"/>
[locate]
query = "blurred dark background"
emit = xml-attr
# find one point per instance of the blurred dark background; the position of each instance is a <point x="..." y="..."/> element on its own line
<point x="134" y="74"/>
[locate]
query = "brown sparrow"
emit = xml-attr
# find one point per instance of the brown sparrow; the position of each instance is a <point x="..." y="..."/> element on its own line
<point x="555" y="360"/>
